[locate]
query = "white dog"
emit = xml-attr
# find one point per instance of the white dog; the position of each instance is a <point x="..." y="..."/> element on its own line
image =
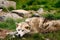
<point x="37" y="25"/>
<point x="31" y="25"/>
<point x="22" y="28"/>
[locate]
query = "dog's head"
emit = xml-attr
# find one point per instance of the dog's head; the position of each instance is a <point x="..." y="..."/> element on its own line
<point x="22" y="29"/>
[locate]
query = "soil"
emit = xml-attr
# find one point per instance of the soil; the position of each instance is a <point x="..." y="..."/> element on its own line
<point x="3" y="33"/>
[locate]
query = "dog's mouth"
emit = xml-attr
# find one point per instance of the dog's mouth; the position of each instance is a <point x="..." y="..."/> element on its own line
<point x="26" y="35"/>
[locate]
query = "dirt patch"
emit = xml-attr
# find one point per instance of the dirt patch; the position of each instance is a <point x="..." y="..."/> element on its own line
<point x="3" y="33"/>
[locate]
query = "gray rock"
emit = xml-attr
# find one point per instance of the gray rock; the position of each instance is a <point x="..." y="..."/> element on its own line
<point x="11" y="15"/>
<point x="5" y="3"/>
<point x="22" y="13"/>
<point x="40" y="10"/>
<point x="1" y="18"/>
<point x="35" y="15"/>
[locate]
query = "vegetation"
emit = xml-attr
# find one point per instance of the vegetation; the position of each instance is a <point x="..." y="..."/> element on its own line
<point x="33" y="5"/>
<point x="10" y="8"/>
<point x="36" y="4"/>
<point x="41" y="36"/>
<point x="50" y="16"/>
<point x="7" y="9"/>
<point x="10" y="24"/>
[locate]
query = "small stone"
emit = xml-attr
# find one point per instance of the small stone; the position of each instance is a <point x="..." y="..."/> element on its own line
<point x="47" y="39"/>
<point x="23" y="38"/>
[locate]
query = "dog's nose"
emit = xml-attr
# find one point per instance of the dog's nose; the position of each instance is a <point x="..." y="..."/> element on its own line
<point x="19" y="36"/>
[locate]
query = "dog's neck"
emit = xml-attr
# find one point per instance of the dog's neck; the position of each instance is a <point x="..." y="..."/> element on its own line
<point x="34" y="28"/>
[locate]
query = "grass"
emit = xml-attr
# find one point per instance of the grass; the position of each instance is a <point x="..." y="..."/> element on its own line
<point x="41" y="36"/>
<point x="10" y="24"/>
<point x="50" y="16"/>
<point x="31" y="4"/>
<point x="8" y="9"/>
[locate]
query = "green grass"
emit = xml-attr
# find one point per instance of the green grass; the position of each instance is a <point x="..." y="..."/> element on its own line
<point x="48" y="4"/>
<point x="10" y="24"/>
<point x="33" y="5"/>
<point x="50" y="16"/>
<point x="8" y="9"/>
<point x="41" y="36"/>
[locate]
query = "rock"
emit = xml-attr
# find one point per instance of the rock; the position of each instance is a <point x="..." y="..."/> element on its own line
<point x="35" y="15"/>
<point x="11" y="15"/>
<point x="0" y="10"/>
<point x="40" y="11"/>
<point x="5" y="3"/>
<point x="22" y="13"/>
<point x="2" y="13"/>
<point x="1" y="18"/>
<point x="47" y="39"/>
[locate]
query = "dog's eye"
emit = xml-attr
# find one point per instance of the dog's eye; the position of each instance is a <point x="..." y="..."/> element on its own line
<point x="27" y="27"/>
<point x="18" y="29"/>
<point x="22" y="30"/>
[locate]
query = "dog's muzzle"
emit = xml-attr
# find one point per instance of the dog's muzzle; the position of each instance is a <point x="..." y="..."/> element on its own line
<point x="20" y="34"/>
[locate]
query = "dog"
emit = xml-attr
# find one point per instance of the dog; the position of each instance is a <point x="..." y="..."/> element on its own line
<point x="31" y="25"/>
<point x="22" y="28"/>
<point x="37" y="25"/>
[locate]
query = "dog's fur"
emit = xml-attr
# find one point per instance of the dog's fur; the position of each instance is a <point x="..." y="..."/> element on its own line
<point x="50" y="26"/>
<point x="37" y="25"/>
